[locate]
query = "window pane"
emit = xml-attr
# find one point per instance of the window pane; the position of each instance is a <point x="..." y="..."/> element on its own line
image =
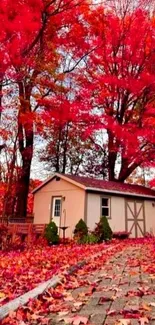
<point x="105" y="212"/>
<point x="105" y="202"/>
<point x="57" y="208"/>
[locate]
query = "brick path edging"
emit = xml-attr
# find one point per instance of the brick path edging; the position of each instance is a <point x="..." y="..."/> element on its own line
<point x="53" y="282"/>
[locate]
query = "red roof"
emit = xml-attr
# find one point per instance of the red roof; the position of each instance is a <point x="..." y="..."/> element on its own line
<point x="112" y="186"/>
<point x="101" y="185"/>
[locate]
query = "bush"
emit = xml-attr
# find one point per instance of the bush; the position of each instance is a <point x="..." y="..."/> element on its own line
<point x="80" y="230"/>
<point x="103" y="230"/>
<point x="51" y="233"/>
<point x="89" y="239"/>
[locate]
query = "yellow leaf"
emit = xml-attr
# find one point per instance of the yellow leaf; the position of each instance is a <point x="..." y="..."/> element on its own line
<point x="123" y="322"/>
<point x="2" y="295"/>
<point x="146" y="307"/>
<point x="132" y="273"/>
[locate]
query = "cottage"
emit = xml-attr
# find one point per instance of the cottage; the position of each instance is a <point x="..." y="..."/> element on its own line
<point x="67" y="198"/>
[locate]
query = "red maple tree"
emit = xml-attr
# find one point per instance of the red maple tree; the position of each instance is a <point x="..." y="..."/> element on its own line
<point x="98" y="56"/>
<point x="118" y="83"/>
<point x="36" y="62"/>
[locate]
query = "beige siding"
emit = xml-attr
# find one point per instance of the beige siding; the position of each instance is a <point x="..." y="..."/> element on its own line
<point x="150" y="216"/>
<point x="117" y="221"/>
<point x="73" y="204"/>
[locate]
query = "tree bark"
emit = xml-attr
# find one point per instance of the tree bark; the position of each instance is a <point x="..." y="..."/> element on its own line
<point x="24" y="180"/>
<point x="9" y="198"/>
<point x="127" y="168"/>
<point x="65" y="149"/>
<point x="112" y="156"/>
<point x="25" y="138"/>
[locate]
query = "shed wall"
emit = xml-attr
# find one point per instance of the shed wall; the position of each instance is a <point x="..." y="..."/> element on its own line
<point x="117" y="220"/>
<point x="74" y="203"/>
<point x="150" y="216"/>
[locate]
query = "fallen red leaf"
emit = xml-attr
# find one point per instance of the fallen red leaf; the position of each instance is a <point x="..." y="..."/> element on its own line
<point x="75" y="320"/>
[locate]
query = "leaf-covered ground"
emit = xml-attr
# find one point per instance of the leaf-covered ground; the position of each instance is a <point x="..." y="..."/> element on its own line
<point x="117" y="288"/>
<point x="22" y="271"/>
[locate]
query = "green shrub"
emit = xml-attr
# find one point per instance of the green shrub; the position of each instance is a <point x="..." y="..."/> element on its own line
<point x="103" y="230"/>
<point x="80" y="230"/>
<point x="89" y="239"/>
<point x="51" y="233"/>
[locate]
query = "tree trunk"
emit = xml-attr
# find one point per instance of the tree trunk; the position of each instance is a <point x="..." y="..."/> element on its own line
<point x="112" y="156"/>
<point x="126" y="171"/>
<point x="25" y="138"/>
<point x="65" y="149"/>
<point x="23" y="186"/>
<point x="9" y="198"/>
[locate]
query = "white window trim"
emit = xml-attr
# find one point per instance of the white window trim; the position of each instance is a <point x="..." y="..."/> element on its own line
<point x="53" y="206"/>
<point x="109" y="205"/>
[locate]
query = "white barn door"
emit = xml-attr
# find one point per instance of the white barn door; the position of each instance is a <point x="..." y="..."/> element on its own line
<point x="135" y="218"/>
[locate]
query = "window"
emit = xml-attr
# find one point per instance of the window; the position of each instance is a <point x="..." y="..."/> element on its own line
<point x="105" y="207"/>
<point x="57" y="207"/>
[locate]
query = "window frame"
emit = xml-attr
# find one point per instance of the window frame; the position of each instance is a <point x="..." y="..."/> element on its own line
<point x="53" y="198"/>
<point x="103" y="206"/>
<point x="55" y="205"/>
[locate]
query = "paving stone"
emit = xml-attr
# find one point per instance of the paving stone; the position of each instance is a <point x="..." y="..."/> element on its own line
<point x="55" y="322"/>
<point x="85" y="313"/>
<point x="119" y="304"/>
<point x="102" y="293"/>
<point x="93" y="279"/>
<point x="133" y="300"/>
<point x="110" y="320"/>
<point x="122" y="278"/>
<point x="145" y="276"/>
<point x="134" y="279"/>
<point x="148" y="299"/>
<point x="105" y="282"/>
<point x="124" y="287"/>
<point x="77" y="291"/>
<point x="98" y="309"/>
<point x="135" y="283"/>
<point x="116" y="321"/>
<point x="134" y="321"/>
<point x="94" y="301"/>
<point x="124" y="291"/>
<point x="115" y="281"/>
<point x="97" y="319"/>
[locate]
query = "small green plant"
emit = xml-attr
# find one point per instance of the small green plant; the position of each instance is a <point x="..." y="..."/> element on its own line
<point x="89" y="239"/>
<point x="103" y="230"/>
<point x="80" y="230"/>
<point x="51" y="233"/>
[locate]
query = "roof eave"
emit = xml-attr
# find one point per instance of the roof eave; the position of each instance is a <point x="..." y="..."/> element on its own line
<point x="44" y="183"/>
<point x="68" y="179"/>
<point x="64" y="177"/>
<point x="118" y="192"/>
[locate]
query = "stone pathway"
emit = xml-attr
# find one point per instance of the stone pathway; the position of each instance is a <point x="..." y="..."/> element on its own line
<point x="119" y="293"/>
